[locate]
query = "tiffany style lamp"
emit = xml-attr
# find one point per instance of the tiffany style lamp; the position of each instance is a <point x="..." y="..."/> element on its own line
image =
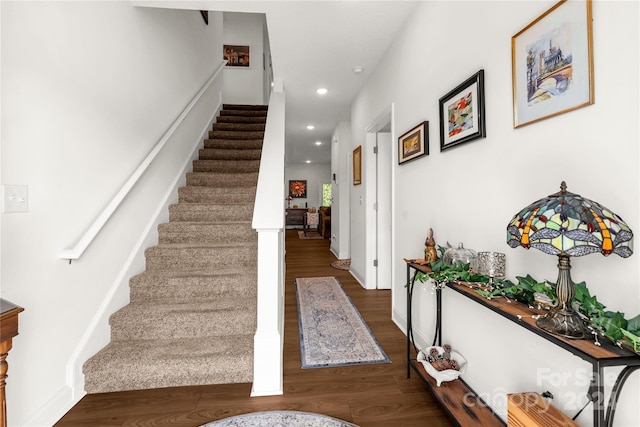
<point x="566" y="225"/>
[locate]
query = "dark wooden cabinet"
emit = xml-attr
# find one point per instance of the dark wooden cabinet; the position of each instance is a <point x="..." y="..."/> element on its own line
<point x="295" y="216"/>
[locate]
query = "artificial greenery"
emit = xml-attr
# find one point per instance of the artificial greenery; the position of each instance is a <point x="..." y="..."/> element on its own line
<point x="610" y="324"/>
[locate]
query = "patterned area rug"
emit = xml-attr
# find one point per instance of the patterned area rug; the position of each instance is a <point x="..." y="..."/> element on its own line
<point x="332" y="330"/>
<point x="280" y="419"/>
<point x="341" y="264"/>
<point x="311" y="234"/>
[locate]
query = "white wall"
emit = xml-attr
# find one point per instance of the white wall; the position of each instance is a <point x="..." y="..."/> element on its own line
<point x="82" y="105"/>
<point x="468" y="194"/>
<point x="314" y="174"/>
<point x="245" y="85"/>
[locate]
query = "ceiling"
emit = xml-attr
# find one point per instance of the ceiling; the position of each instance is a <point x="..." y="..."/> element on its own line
<point x="318" y="44"/>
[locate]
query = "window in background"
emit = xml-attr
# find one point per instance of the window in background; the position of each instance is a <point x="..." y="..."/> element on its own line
<point x="326" y="195"/>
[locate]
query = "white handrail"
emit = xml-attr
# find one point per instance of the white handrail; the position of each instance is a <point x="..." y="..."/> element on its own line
<point x="268" y="221"/>
<point x="78" y="249"/>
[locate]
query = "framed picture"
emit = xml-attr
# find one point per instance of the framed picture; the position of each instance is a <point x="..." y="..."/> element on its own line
<point x="298" y="189"/>
<point x="357" y="165"/>
<point x="414" y="143"/>
<point x="462" y="113"/>
<point x="552" y="63"/>
<point x="237" y="56"/>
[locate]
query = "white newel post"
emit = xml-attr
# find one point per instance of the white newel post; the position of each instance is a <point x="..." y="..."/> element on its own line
<point x="268" y="340"/>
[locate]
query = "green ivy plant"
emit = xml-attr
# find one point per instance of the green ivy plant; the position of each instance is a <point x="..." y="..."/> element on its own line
<point x="610" y="324"/>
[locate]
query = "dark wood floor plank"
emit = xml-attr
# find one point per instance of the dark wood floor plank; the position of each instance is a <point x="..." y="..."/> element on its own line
<point x="377" y="395"/>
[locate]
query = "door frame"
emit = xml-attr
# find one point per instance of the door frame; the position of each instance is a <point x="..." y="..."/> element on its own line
<point x="384" y="122"/>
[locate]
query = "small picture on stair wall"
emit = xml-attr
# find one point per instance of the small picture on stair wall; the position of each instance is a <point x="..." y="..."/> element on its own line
<point x="237" y="56"/>
<point x="298" y="189"/>
<point x="357" y="165"/>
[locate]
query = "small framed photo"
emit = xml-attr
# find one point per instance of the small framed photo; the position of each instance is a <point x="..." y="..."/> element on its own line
<point x="552" y="63"/>
<point x="298" y="189"/>
<point x="357" y="165"/>
<point x="462" y="113"/>
<point x="414" y="143"/>
<point x="237" y="56"/>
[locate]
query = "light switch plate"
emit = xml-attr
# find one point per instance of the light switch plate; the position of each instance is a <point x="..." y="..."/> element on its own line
<point x="15" y="198"/>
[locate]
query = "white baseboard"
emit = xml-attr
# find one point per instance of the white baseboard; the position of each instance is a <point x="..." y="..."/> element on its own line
<point x="358" y="279"/>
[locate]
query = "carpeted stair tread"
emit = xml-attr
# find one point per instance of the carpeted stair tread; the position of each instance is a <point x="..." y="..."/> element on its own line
<point x="232" y="166"/>
<point x="201" y="194"/>
<point x="181" y="257"/>
<point x="203" y="232"/>
<point x="218" y="179"/>
<point x="224" y="134"/>
<point x="161" y="320"/>
<point x="193" y="284"/>
<point x="238" y="127"/>
<point x="244" y="144"/>
<point x="229" y="154"/>
<point x="245" y="107"/>
<point x="245" y="113"/>
<point x="210" y="212"/>
<point x="170" y="363"/>
<point x="242" y="119"/>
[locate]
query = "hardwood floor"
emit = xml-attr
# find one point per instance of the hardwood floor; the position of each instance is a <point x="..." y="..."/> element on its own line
<point x="367" y="395"/>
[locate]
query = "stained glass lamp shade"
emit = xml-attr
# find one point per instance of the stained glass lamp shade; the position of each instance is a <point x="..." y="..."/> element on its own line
<point x="566" y="224"/>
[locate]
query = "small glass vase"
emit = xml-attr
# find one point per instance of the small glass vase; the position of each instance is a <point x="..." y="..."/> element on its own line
<point x="459" y="256"/>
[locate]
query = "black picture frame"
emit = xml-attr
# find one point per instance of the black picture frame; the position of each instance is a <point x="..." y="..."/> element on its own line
<point x="237" y="56"/>
<point x="298" y="188"/>
<point x="462" y="113"/>
<point x="414" y="143"/>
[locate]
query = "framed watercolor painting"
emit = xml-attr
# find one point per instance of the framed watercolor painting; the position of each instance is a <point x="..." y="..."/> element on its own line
<point x="298" y="189"/>
<point x="237" y="56"/>
<point x="462" y="113"/>
<point x="357" y="165"/>
<point x="552" y="63"/>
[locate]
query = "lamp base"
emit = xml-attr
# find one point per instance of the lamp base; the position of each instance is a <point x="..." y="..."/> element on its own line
<point x="563" y="322"/>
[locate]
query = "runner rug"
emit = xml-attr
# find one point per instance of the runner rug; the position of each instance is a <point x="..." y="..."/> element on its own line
<point x="280" y="419"/>
<point x="332" y="330"/>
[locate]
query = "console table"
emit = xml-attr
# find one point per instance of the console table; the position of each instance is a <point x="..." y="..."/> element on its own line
<point x="295" y="216"/>
<point x="8" y="329"/>
<point x="600" y="356"/>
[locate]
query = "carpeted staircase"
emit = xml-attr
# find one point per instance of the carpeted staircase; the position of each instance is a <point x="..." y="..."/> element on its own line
<point x="192" y="314"/>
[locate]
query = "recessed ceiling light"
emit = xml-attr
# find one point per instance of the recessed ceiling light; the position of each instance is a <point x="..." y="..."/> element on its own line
<point x="322" y="91"/>
<point x="358" y="70"/>
<point x="318" y="142"/>
<point x="308" y="161"/>
<point x="311" y="127"/>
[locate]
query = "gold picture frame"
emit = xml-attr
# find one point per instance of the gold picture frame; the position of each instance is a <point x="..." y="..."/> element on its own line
<point x="552" y="63"/>
<point x="357" y="165"/>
